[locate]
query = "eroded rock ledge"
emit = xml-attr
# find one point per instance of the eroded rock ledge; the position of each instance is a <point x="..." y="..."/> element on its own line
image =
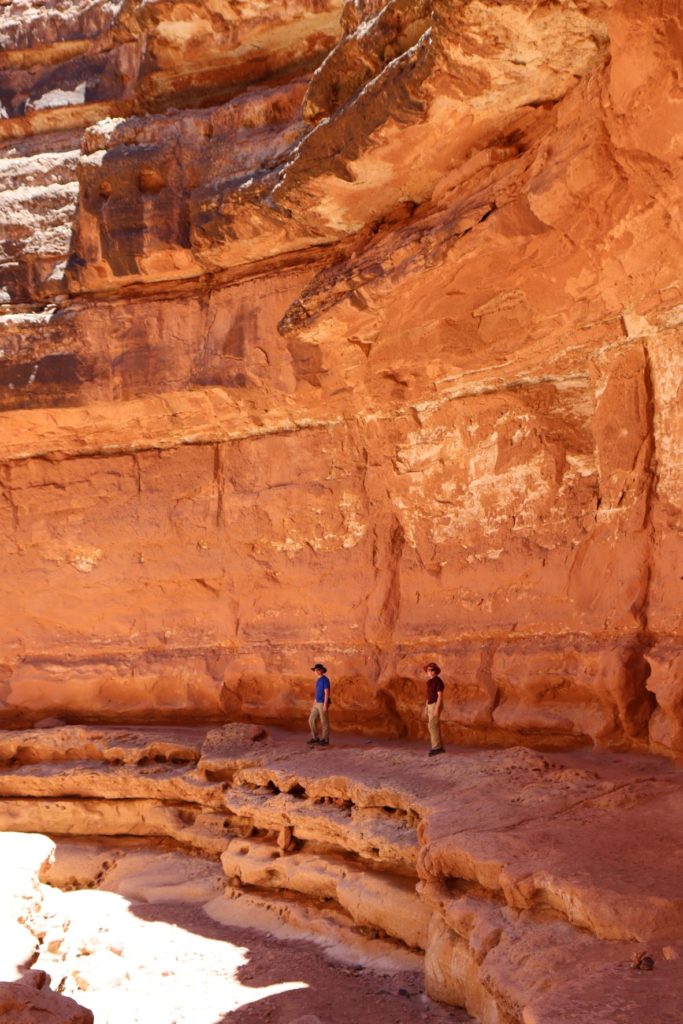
<point x="513" y="873"/>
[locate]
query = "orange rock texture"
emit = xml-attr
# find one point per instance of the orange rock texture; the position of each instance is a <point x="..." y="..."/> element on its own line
<point x="524" y="886"/>
<point x="345" y="331"/>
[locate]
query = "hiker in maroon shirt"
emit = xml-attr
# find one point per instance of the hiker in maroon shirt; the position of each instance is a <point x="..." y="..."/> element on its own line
<point x="433" y="706"/>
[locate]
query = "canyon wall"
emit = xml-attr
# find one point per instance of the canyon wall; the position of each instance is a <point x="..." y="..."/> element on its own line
<point x="343" y="331"/>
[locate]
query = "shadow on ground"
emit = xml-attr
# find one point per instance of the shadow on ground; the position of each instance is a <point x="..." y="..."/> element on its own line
<point x="335" y="993"/>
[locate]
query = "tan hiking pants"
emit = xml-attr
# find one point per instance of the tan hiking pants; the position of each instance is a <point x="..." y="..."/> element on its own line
<point x="434" y="724"/>
<point x="319" y="714"/>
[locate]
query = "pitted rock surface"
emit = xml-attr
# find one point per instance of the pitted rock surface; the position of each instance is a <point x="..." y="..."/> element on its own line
<point x="512" y="881"/>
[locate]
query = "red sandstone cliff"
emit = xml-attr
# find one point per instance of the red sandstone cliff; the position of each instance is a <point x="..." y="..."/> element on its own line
<point x="343" y="330"/>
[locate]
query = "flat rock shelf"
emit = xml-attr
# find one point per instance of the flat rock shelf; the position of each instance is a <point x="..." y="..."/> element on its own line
<point x="508" y="883"/>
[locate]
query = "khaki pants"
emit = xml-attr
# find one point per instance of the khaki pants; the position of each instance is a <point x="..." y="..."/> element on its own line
<point x="434" y="724"/>
<point x="318" y="713"/>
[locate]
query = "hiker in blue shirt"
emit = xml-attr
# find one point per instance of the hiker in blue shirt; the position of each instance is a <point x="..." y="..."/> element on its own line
<point x="319" y="711"/>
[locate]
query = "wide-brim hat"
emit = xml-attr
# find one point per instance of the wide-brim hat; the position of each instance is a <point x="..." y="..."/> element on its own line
<point x="318" y="665"/>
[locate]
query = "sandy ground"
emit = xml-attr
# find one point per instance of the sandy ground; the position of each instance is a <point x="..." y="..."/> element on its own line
<point x="170" y="963"/>
<point x="335" y="993"/>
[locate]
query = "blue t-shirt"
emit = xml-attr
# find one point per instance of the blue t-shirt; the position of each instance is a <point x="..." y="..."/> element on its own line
<point x="321" y="685"/>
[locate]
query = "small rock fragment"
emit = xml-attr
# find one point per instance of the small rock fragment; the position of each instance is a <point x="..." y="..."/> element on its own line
<point x="642" y="961"/>
<point x="285" y="837"/>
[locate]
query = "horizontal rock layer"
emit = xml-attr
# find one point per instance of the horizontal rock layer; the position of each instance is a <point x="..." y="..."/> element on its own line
<point x="343" y="331"/>
<point x="513" y="874"/>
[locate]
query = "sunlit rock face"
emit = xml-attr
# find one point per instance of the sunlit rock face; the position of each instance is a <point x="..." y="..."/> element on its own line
<point x="345" y="331"/>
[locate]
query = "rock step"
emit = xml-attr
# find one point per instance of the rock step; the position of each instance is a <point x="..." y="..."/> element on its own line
<point x="516" y="850"/>
<point x="372" y="898"/>
<point x="120" y="745"/>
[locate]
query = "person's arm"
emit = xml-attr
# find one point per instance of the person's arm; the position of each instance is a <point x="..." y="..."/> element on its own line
<point x="326" y="697"/>
<point x="439" y="699"/>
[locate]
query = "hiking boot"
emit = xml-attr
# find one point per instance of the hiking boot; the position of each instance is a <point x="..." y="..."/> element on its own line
<point x="312" y="741"/>
<point x="323" y="743"/>
<point x="436" y="750"/>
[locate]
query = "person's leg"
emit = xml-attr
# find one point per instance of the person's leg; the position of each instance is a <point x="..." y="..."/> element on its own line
<point x="325" y="720"/>
<point x="437" y="730"/>
<point x="433" y="723"/>
<point x="312" y="720"/>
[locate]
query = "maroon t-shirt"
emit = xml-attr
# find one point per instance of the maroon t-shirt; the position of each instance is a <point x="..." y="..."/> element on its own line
<point x="434" y="688"/>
